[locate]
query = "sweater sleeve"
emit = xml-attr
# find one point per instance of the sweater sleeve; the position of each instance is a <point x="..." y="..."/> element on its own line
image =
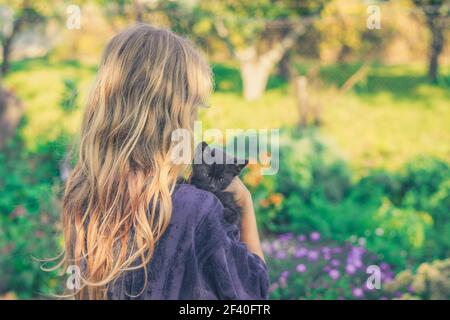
<point x="228" y="270"/>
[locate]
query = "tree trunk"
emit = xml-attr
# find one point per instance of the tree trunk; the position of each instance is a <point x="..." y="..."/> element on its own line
<point x="437" y="44"/>
<point x="301" y="94"/>
<point x="7" y="44"/>
<point x="436" y="21"/>
<point x="6" y="48"/>
<point x="255" y="76"/>
<point x="285" y="66"/>
<point x="256" y="67"/>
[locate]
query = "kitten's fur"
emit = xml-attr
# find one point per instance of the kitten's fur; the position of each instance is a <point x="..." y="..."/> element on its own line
<point x="216" y="177"/>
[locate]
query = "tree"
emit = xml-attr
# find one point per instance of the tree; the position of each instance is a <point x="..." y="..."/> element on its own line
<point x="258" y="33"/>
<point x="436" y="14"/>
<point x="15" y="17"/>
<point x="345" y="35"/>
<point x="120" y="13"/>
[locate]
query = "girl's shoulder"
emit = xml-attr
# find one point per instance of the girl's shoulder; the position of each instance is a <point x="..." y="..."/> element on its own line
<point x="194" y="203"/>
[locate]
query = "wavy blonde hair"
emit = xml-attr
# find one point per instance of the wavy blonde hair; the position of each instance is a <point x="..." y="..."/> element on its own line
<point x="117" y="200"/>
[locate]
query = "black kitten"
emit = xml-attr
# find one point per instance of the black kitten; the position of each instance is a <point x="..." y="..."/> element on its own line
<point x="216" y="177"/>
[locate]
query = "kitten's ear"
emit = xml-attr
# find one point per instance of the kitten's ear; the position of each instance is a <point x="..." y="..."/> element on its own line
<point x="198" y="153"/>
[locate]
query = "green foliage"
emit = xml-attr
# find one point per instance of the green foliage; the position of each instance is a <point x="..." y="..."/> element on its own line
<point x="29" y="212"/>
<point x="247" y="22"/>
<point x="312" y="167"/>
<point x="228" y="79"/>
<point x="70" y="94"/>
<point x="420" y="179"/>
<point x="349" y="37"/>
<point x="402" y="234"/>
<point x="402" y="216"/>
<point x="426" y="187"/>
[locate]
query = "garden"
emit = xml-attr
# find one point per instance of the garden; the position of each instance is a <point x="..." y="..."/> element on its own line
<point x="360" y="206"/>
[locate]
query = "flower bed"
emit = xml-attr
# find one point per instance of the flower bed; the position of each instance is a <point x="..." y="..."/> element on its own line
<point x="306" y="267"/>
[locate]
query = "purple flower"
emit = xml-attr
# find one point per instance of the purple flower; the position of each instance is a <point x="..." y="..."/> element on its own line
<point x="336" y="250"/>
<point x="387" y="278"/>
<point x="335" y="262"/>
<point x="281" y="255"/>
<point x="334" y="274"/>
<point x="283" y="282"/>
<point x="326" y="250"/>
<point x="357" y="292"/>
<point x="314" y="236"/>
<point x="273" y="287"/>
<point x="326" y="255"/>
<point x="313" y="255"/>
<point x="358" y="250"/>
<point x="354" y="257"/>
<point x="384" y="266"/>
<point x="357" y="263"/>
<point x="301" y="268"/>
<point x="285" y="274"/>
<point x="300" y="252"/>
<point x="285" y="236"/>
<point x="301" y="238"/>
<point x="350" y="269"/>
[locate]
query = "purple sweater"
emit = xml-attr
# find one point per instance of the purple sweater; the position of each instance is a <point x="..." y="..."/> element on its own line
<point x="199" y="256"/>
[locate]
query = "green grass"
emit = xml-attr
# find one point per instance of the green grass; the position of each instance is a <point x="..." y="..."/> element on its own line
<point x="394" y="114"/>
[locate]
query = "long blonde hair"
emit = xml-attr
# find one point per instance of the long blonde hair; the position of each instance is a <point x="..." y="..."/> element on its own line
<point x="117" y="200"/>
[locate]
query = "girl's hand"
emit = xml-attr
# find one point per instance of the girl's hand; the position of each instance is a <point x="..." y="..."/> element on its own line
<point x="240" y="193"/>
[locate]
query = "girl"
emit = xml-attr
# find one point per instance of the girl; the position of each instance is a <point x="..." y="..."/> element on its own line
<point x="131" y="229"/>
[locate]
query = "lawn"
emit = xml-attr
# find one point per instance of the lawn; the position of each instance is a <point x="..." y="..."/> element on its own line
<point x="391" y="116"/>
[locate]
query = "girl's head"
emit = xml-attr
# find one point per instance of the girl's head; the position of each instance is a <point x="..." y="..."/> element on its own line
<point x="117" y="200"/>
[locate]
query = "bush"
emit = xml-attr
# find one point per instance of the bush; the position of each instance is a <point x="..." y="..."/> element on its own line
<point x="429" y="281"/>
<point x="28" y="217"/>
<point x="401" y="234"/>
<point x="426" y="187"/>
<point x="312" y="190"/>
<point x="312" y="173"/>
<point x="420" y="179"/>
<point x="402" y="216"/>
<point x="438" y="242"/>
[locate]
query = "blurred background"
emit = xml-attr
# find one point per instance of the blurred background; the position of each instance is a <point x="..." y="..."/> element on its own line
<point x="359" y="89"/>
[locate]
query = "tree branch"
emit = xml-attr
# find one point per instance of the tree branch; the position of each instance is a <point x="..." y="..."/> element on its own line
<point x="224" y="34"/>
